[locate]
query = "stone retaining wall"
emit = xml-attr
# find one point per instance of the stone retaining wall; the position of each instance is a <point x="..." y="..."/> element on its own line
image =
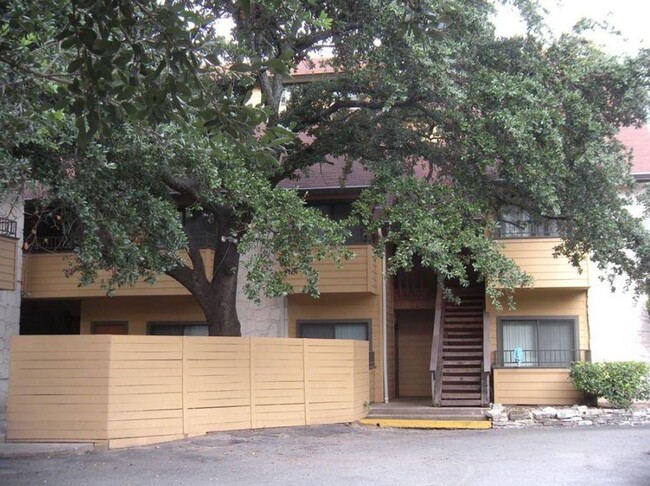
<point x="575" y="416"/>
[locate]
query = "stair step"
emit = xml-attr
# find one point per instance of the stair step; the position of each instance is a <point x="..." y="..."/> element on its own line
<point x="463" y="354"/>
<point x="461" y="362"/>
<point x="462" y="347"/>
<point x="456" y="403"/>
<point x="458" y="388"/>
<point x="459" y="379"/>
<point x="474" y="395"/>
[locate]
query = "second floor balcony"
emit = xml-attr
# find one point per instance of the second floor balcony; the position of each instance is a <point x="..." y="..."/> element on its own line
<point x="535" y="257"/>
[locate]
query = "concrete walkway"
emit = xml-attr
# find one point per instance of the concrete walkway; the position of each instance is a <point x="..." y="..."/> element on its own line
<point x="30" y="449"/>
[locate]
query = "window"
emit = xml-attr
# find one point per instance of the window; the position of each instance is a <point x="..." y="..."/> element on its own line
<point x="359" y="330"/>
<point x="517" y="223"/>
<point x="177" y="329"/>
<point x="200" y="227"/>
<point x="542" y="342"/>
<point x="339" y="211"/>
<point x="109" y="327"/>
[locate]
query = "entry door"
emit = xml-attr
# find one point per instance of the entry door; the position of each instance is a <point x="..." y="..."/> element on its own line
<point x="415" y="330"/>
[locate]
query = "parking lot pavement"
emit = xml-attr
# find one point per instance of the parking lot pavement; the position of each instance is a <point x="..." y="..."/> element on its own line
<point x="340" y="454"/>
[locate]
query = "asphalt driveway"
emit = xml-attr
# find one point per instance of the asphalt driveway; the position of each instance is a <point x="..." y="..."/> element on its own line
<point x="339" y="454"/>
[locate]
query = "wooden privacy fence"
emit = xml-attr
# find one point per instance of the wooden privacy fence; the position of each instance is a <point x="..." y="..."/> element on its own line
<point x="131" y="390"/>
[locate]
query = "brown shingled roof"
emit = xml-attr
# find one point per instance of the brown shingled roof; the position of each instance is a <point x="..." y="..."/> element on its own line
<point x="328" y="176"/>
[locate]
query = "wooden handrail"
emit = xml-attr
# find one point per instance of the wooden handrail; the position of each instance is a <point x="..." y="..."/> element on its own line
<point x="437" y="328"/>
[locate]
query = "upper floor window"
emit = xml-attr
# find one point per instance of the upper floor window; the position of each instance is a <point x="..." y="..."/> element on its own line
<point x="200" y="226"/>
<point x="340" y="211"/>
<point x="517" y="223"/>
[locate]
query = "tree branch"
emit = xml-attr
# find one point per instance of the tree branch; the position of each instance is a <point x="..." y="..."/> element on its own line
<point x="17" y="66"/>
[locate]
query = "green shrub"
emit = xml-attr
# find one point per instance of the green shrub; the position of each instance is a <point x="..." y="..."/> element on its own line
<point x="620" y="383"/>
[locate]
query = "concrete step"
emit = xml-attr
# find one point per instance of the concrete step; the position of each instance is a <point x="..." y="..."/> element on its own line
<point x="393" y="409"/>
<point x="409" y="423"/>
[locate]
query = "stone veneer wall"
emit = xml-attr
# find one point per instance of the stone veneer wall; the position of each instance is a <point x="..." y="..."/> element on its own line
<point x="10" y="300"/>
<point x="575" y="416"/>
<point x="266" y="319"/>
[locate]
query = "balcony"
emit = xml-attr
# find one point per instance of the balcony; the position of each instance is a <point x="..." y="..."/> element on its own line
<point x="362" y="274"/>
<point x="535" y="257"/>
<point x="44" y="277"/>
<point x="8" y="243"/>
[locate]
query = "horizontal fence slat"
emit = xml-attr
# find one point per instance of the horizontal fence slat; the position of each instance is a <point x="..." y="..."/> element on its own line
<point x="140" y="389"/>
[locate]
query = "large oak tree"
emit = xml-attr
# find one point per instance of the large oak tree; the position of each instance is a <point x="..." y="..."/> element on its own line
<point x="121" y="112"/>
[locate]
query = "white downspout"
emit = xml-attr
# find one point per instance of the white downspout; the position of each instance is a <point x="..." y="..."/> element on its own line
<point x="384" y="315"/>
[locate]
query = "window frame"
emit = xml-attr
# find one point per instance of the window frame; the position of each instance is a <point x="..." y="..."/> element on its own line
<point x="182" y="324"/>
<point x="301" y="323"/>
<point x="509" y="365"/>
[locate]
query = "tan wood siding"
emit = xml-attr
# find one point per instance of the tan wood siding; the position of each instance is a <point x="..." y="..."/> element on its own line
<point x="534" y="387"/>
<point x="360" y="274"/>
<point x="138" y="311"/>
<point x="344" y="307"/>
<point x="130" y="390"/>
<point x="544" y="302"/>
<point x="535" y="257"/>
<point x="7" y="263"/>
<point x="44" y="278"/>
<point x="414" y="334"/>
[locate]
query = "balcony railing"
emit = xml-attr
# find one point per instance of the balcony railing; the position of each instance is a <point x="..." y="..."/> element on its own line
<point x="539" y="358"/>
<point x="8" y="227"/>
<point x="50" y="244"/>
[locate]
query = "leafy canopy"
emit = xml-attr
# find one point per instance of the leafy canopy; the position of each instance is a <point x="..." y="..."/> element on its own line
<point x="125" y="110"/>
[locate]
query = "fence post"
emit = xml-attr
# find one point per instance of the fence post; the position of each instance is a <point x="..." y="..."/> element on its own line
<point x="184" y="385"/>
<point x="251" y="353"/>
<point x="305" y="381"/>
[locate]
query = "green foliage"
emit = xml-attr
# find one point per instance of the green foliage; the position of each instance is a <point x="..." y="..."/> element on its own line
<point x="124" y="110"/>
<point x="620" y="383"/>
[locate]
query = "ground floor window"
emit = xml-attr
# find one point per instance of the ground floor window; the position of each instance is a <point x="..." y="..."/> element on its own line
<point x="177" y="329"/>
<point x="359" y="330"/>
<point x="541" y="342"/>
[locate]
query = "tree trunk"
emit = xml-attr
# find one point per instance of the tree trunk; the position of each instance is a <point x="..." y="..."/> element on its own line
<point x="221" y="309"/>
<point x="216" y="292"/>
<point x="219" y="298"/>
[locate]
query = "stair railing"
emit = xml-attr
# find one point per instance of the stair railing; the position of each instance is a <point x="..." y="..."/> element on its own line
<point x="487" y="363"/>
<point x="435" y="366"/>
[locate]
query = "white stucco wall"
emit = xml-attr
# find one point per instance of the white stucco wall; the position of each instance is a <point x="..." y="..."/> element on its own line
<point x="10" y="300"/>
<point x="619" y="323"/>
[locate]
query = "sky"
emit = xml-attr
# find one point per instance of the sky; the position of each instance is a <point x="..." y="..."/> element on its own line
<point x="630" y="17"/>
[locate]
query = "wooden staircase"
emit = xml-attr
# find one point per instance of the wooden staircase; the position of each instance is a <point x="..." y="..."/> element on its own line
<point x="460" y="373"/>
